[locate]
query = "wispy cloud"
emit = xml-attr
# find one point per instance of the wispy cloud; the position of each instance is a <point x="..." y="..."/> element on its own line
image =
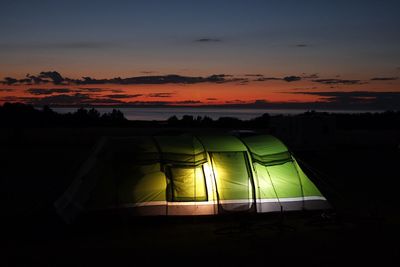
<point x="187" y="102"/>
<point x="56" y="78"/>
<point x="292" y="78"/>
<point x="387" y="100"/>
<point x="337" y="81"/>
<point x="122" y="96"/>
<point x="302" y="45"/>
<point x="48" y="91"/>
<point x="384" y="78"/>
<point x="148" y="72"/>
<point x="160" y="95"/>
<point x="236" y="101"/>
<point x="263" y="79"/>
<point x="208" y="40"/>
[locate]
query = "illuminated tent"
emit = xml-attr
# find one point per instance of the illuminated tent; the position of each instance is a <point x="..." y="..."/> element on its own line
<point x="190" y="175"/>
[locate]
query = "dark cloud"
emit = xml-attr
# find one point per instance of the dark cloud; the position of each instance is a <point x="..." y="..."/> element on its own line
<point x="187" y="102"/>
<point x="384" y="78"/>
<point x="54" y="76"/>
<point x="43" y="77"/>
<point x="305" y="88"/>
<point x="9" y="81"/>
<point x="35" y="79"/>
<point x="122" y="96"/>
<point x="292" y="78"/>
<point x="236" y="101"/>
<point x="263" y="79"/>
<point x="379" y="100"/>
<point x="98" y="90"/>
<point x="148" y="103"/>
<point x="148" y="72"/>
<point x="350" y="94"/>
<point x="92" y="90"/>
<point x="208" y="40"/>
<point x="237" y="80"/>
<point x="160" y="95"/>
<point x="287" y="79"/>
<point x="337" y="81"/>
<point x="164" y="79"/>
<point x="6" y="90"/>
<point x="212" y="98"/>
<point x="43" y="91"/>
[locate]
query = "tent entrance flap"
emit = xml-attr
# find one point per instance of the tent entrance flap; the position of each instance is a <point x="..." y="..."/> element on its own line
<point x="233" y="181"/>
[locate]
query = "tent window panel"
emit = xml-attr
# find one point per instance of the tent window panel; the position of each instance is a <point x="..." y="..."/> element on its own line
<point x="232" y="176"/>
<point x="188" y="184"/>
<point x="286" y="180"/>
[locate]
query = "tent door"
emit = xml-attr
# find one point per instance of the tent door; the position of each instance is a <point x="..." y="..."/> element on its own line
<point x="233" y="180"/>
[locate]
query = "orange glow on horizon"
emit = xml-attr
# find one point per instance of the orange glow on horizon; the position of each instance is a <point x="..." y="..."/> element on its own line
<point x="195" y="94"/>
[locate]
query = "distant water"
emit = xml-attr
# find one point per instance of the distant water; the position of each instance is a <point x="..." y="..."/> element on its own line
<point x="214" y="113"/>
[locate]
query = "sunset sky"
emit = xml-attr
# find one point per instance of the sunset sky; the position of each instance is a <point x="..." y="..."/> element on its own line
<point x="252" y="53"/>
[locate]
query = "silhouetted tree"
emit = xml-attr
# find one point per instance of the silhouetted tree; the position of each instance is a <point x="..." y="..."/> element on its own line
<point x="94" y="114"/>
<point x="173" y="120"/>
<point x="187" y="120"/>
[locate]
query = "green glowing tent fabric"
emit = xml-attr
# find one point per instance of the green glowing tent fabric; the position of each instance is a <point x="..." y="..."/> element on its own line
<point x="190" y="175"/>
<point x="283" y="182"/>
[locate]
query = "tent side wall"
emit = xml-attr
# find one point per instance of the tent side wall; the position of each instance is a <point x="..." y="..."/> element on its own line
<point x="314" y="198"/>
<point x="282" y="185"/>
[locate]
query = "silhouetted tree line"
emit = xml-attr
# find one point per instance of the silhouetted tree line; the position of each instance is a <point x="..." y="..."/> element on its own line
<point x="18" y="114"/>
<point x="222" y="122"/>
<point x="344" y="121"/>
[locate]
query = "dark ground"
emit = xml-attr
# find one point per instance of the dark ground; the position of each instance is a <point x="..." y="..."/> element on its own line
<point x="357" y="172"/>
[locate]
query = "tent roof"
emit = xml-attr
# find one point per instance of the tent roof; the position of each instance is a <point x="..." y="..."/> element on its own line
<point x="181" y="144"/>
<point x="222" y="143"/>
<point x="264" y="145"/>
<point x="181" y="149"/>
<point x="267" y="150"/>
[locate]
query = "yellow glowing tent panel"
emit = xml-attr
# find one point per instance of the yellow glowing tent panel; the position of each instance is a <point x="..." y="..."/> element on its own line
<point x="190" y="175"/>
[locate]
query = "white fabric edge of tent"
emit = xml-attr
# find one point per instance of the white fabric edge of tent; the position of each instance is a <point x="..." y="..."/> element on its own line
<point x="233" y="201"/>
